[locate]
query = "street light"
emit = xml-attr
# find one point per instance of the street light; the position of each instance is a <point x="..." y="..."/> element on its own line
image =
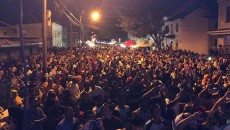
<point x="95" y="16"/>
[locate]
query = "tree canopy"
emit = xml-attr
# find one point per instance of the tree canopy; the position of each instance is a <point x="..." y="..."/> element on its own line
<point x="149" y="21"/>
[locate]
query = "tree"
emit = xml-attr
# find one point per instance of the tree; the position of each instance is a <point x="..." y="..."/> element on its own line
<point x="140" y="26"/>
<point x="148" y="22"/>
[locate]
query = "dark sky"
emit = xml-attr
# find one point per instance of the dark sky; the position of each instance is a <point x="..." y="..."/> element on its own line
<point x="9" y="10"/>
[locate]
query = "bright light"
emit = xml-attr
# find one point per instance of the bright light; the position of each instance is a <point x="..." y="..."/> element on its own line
<point x="95" y="16"/>
<point x="91" y="45"/>
<point x="122" y="45"/>
<point x="209" y="58"/>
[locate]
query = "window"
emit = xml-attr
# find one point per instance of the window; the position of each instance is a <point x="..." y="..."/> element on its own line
<point x="228" y="14"/>
<point x="171" y="30"/>
<point x="177" y="27"/>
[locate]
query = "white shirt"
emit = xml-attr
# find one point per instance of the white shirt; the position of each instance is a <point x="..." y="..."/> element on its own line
<point x="97" y="91"/>
<point x="74" y="91"/>
<point x="154" y="126"/>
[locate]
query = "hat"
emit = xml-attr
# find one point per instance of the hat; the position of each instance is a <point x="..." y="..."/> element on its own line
<point x="14" y="91"/>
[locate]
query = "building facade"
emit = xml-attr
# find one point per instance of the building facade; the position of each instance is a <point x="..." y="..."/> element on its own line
<point x="222" y="34"/>
<point x="188" y="28"/>
<point x="10" y="38"/>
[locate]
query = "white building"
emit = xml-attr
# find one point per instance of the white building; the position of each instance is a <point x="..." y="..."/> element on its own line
<point x="222" y="34"/>
<point x="10" y="38"/>
<point x="56" y="34"/>
<point x="188" y="28"/>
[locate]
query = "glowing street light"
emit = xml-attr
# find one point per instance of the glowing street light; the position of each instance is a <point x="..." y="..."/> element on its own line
<point x="95" y="16"/>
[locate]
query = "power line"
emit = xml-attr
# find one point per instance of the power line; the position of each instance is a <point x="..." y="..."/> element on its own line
<point x="14" y="27"/>
<point x="126" y="8"/>
<point x="26" y="11"/>
<point x="70" y="12"/>
<point x="69" y="17"/>
<point x="9" y="25"/>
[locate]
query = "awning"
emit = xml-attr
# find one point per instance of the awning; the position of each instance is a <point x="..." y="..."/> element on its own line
<point x="170" y="36"/>
<point x="219" y="32"/>
<point x="129" y="43"/>
<point x="144" y="44"/>
<point x="17" y="45"/>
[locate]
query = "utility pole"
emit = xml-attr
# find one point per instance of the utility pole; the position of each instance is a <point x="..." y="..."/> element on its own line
<point x="71" y="36"/>
<point x="80" y="32"/>
<point x="23" y="56"/>
<point x="44" y="45"/>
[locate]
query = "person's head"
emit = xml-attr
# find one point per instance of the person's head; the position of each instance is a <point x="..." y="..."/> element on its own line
<point x="121" y="100"/>
<point x="13" y="94"/>
<point x="43" y="79"/>
<point x="137" y="123"/>
<point x="188" y="108"/>
<point x="191" y="124"/>
<point x="108" y="110"/>
<point x="66" y="94"/>
<point x="69" y="113"/>
<point x="143" y="103"/>
<point x="50" y="81"/>
<point x="51" y="95"/>
<point x="98" y="100"/>
<point x="79" y="78"/>
<point x="33" y="102"/>
<point x="56" y="102"/>
<point x="87" y="85"/>
<point x="89" y="115"/>
<point x="155" y="111"/>
<point x="74" y="80"/>
<point x="84" y="96"/>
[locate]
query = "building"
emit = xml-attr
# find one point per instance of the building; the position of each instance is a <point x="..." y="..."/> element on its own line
<point x="188" y="27"/>
<point x="222" y="34"/>
<point x="10" y="38"/>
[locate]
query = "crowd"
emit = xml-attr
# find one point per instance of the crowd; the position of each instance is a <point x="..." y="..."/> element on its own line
<point x="110" y="88"/>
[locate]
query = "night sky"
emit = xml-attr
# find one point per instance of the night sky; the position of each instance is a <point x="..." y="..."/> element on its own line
<point x="9" y="10"/>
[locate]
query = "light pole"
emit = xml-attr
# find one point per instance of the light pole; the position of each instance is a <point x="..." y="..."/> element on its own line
<point x="44" y="45"/>
<point x="80" y="34"/>
<point x="71" y="36"/>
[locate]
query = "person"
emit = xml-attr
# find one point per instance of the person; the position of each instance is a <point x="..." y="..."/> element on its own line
<point x="111" y="122"/>
<point x="74" y="89"/>
<point x="69" y="122"/>
<point x="54" y="115"/>
<point x="13" y="116"/>
<point x="66" y="99"/>
<point x="92" y="123"/>
<point x="15" y="100"/>
<point x="140" y="75"/>
<point x="189" y="121"/>
<point x="122" y="108"/>
<point x="137" y="123"/>
<point x="143" y="110"/>
<point x="155" y="123"/>
<point x="34" y="116"/>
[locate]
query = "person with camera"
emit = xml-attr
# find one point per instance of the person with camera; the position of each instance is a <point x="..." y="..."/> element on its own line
<point x="34" y="116"/>
<point x="69" y="122"/>
<point x="155" y="123"/>
<point x="92" y="122"/>
<point x="111" y="122"/>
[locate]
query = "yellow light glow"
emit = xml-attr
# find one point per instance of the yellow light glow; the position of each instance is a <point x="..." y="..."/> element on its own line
<point x="95" y="16"/>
